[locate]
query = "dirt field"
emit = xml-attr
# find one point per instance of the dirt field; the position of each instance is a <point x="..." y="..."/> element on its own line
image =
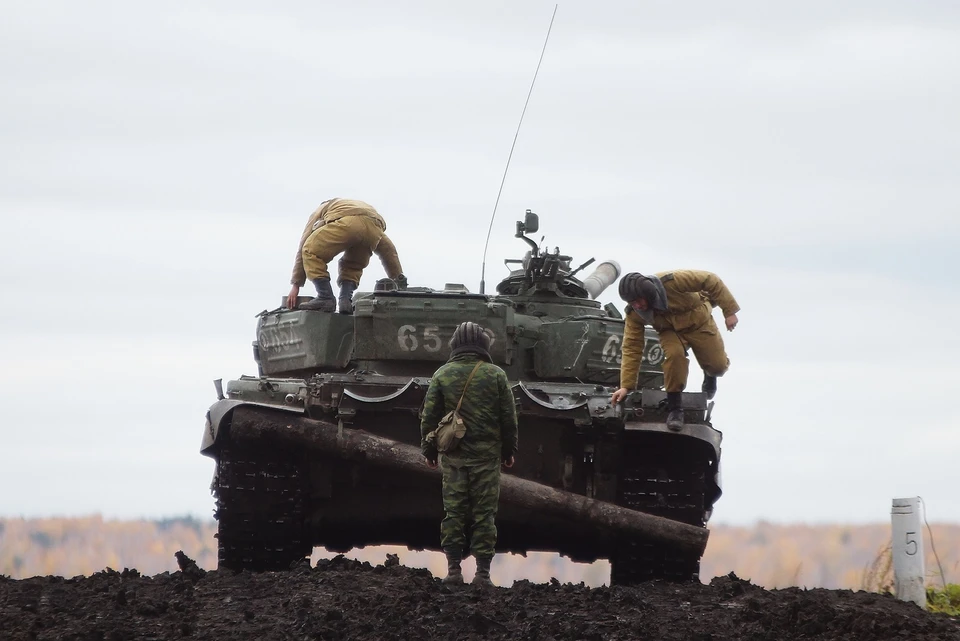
<point x="344" y="599"/>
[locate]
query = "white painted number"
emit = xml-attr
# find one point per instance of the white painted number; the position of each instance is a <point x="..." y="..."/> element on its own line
<point x="431" y="341"/>
<point x="655" y="354"/>
<point x="652" y="354"/>
<point x="407" y="339"/>
<point x="278" y="338"/>
<point x="611" y="350"/>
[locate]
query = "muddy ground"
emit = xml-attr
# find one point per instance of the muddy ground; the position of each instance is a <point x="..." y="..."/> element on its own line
<point x="346" y="599"/>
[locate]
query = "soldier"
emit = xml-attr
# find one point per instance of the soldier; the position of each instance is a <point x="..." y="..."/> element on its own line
<point x="471" y="472"/>
<point x="679" y="306"/>
<point x="340" y="225"/>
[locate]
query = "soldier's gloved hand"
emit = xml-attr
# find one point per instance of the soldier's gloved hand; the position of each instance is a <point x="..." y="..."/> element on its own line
<point x="431" y="462"/>
<point x="401" y="281"/>
<point x="509" y="461"/>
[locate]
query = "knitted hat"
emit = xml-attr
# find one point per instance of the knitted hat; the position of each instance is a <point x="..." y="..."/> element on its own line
<point x="470" y="337"/>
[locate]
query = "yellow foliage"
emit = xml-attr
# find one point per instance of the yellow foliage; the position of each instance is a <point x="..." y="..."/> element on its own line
<point x="770" y="555"/>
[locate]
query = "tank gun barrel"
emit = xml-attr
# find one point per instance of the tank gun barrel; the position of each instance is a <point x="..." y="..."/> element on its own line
<point x="604" y="275"/>
<point x="256" y="426"/>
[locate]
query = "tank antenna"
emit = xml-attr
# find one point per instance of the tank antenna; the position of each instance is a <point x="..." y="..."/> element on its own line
<point x="483" y="267"/>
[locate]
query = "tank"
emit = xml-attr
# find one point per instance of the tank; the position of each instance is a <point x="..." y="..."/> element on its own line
<point x="321" y="447"/>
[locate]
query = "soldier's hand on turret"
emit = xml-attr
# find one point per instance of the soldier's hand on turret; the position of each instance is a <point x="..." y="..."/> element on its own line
<point x="731" y="321"/>
<point x="509" y="462"/>
<point x="292" y="297"/>
<point x="431" y="462"/>
<point x="619" y="395"/>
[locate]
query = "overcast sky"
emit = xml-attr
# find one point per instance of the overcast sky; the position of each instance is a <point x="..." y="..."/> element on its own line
<point x="158" y="161"/>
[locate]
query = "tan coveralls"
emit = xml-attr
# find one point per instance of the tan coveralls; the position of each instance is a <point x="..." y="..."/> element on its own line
<point x="686" y="323"/>
<point x="349" y="226"/>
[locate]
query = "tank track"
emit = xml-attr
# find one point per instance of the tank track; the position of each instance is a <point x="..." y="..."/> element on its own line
<point x="260" y="509"/>
<point x="664" y="483"/>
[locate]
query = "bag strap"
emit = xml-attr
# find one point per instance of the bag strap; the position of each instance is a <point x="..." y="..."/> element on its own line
<point x="469" y="378"/>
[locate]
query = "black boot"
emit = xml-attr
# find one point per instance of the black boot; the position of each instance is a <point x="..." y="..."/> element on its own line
<point x="325" y="301"/>
<point x="709" y="386"/>
<point x="346" y="296"/>
<point x="674" y="411"/>
<point x="482" y="577"/>
<point x="454" y="573"/>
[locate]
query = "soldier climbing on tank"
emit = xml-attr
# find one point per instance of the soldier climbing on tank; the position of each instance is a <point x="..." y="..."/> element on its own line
<point x="471" y="470"/>
<point x="339" y="225"/>
<point x="678" y="305"/>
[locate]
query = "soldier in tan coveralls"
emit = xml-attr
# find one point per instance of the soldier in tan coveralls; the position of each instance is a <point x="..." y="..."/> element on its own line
<point x="339" y="225"/>
<point x="678" y="305"/>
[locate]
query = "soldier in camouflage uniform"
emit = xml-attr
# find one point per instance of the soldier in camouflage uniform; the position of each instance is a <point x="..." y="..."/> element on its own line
<point x="471" y="471"/>
<point x="679" y="305"/>
<point x="340" y="225"/>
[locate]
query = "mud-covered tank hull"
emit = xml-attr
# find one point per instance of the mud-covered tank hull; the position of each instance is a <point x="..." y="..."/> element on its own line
<point x="290" y="475"/>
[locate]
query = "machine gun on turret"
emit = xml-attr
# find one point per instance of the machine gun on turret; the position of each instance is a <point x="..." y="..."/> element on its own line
<point x="550" y="273"/>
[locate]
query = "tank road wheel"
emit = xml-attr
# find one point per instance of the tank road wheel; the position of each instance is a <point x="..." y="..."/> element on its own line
<point x="260" y="510"/>
<point x="659" y="480"/>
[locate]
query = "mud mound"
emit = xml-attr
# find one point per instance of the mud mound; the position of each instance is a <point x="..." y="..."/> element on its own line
<point x="344" y="599"/>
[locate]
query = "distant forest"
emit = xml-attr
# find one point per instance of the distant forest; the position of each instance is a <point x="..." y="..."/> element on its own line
<point x="770" y="555"/>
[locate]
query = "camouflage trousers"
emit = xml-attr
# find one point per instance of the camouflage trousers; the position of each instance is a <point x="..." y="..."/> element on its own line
<point x="471" y="496"/>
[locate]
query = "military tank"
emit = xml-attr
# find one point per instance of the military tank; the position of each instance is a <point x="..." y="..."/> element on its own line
<point x="321" y="447"/>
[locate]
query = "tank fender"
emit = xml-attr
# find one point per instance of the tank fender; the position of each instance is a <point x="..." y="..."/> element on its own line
<point x="219" y="415"/>
<point x="556" y="399"/>
<point x="413" y="383"/>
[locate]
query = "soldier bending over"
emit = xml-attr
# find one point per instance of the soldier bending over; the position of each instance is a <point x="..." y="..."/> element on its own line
<point x="678" y="305"/>
<point x="339" y="225"/>
<point x="471" y="471"/>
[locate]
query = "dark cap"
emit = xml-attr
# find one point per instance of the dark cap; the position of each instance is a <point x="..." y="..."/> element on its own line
<point x="635" y="285"/>
<point x="470" y="337"/>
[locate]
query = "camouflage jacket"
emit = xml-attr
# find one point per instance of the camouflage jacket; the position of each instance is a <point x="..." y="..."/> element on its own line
<point x="691" y="296"/>
<point x="488" y="409"/>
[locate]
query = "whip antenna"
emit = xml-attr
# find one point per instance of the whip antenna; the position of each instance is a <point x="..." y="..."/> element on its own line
<point x="483" y="267"/>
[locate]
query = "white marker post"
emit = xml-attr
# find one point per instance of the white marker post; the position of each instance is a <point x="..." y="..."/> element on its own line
<point x="908" y="568"/>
